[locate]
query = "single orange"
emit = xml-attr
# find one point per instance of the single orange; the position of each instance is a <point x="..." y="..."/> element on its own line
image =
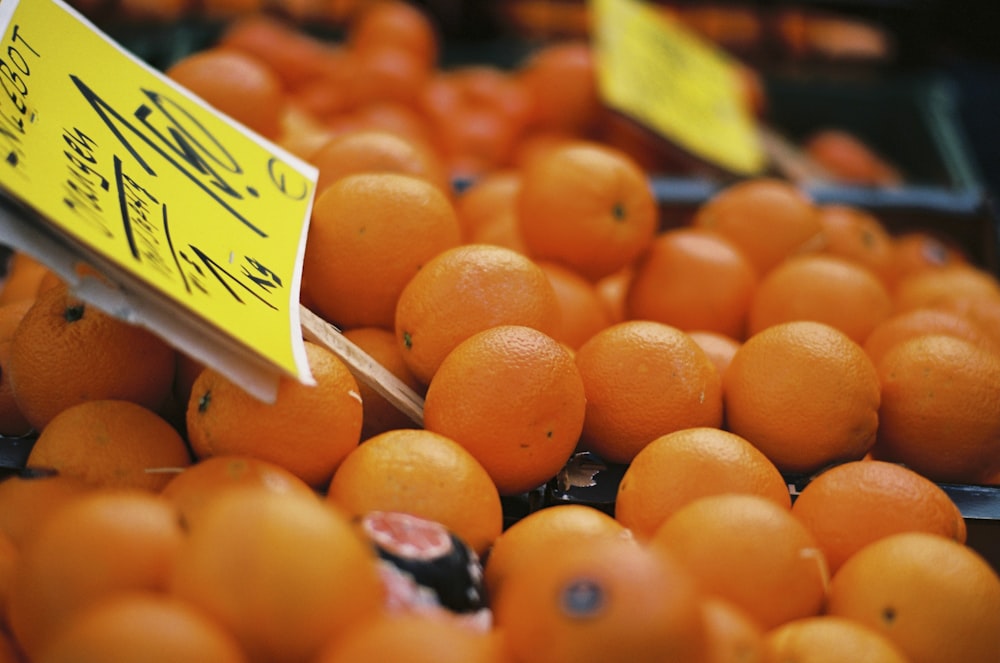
<point x="379" y="414"/>
<point x="486" y="199"/>
<point x="282" y="572"/>
<point x="588" y="206"/>
<point x="376" y="151"/>
<point x="849" y="159"/>
<point x="234" y="83"/>
<point x="582" y="310"/>
<point x="513" y="397"/>
<point x="562" y="79"/>
<point x="9" y="558"/>
<point x="370" y="234"/>
<point x="413" y="638"/>
<point x="936" y="599"/>
<point x="387" y="74"/>
<point x="821" y="288"/>
<point x="611" y="599"/>
<point x="920" y="322"/>
<point x="820" y="408"/>
<point x="465" y="290"/>
<point x="403" y="470"/>
<point x="940" y="410"/>
<point x="308" y="429"/>
<point x="100" y="543"/>
<point x="750" y="551"/>
<point x="853" y="504"/>
<point x="66" y="351"/>
<point x="858" y="235"/>
<point x="109" y="443"/>
<point x="395" y="23"/>
<point x="693" y="279"/>
<point x="141" y="626"/>
<point x="644" y="379"/>
<point x="612" y="289"/>
<point x="769" y="219"/>
<point x="403" y="120"/>
<point x="194" y="487"/>
<point x="13" y="423"/>
<point x="940" y="286"/>
<point x="720" y="348"/>
<point x="682" y="466"/>
<point x="533" y="536"/>
<point x="830" y="639"/>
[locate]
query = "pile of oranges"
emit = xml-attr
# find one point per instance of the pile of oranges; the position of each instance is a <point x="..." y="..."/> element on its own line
<point x="541" y="310"/>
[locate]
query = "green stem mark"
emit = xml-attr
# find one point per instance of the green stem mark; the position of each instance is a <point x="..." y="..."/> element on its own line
<point x="74" y="313"/>
<point x="618" y="212"/>
<point x="204" y="401"/>
<point x="407" y="340"/>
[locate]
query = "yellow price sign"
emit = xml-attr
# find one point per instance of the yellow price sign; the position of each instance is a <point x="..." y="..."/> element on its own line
<point x="188" y="204"/>
<point x="660" y="74"/>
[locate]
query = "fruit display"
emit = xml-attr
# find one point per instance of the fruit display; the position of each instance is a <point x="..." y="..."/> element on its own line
<point x="733" y="429"/>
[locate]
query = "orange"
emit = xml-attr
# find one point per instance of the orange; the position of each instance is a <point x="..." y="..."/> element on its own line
<point x="582" y="310"/>
<point x="733" y="637"/>
<point x="822" y="288"/>
<point x="379" y="414"/>
<point x="402" y="120"/>
<point x="850" y="505"/>
<point x="919" y="250"/>
<point x="236" y="84"/>
<point x="477" y="114"/>
<point x="413" y="638"/>
<point x="613" y="289"/>
<point x="858" y="235"/>
<point x="693" y="279"/>
<point x="22" y="278"/>
<point x="682" y="466"/>
<point x="369" y="235"/>
<point x="12" y="422"/>
<point x="191" y="489"/>
<point x="768" y="219"/>
<point x="307" y="430"/>
<point x="940" y="411"/>
<point x="465" y="290"/>
<point x="402" y="470"/>
<point x="611" y="599"/>
<point x="387" y="73"/>
<point x="720" y="348"/>
<point x="830" y="639"/>
<point x="66" y="351"/>
<point x="394" y="23"/>
<point x="941" y="286"/>
<point x="113" y="444"/>
<point x="849" y="159"/>
<point x="26" y="501"/>
<point x="821" y="407"/>
<point x="513" y="397"/>
<point x="283" y="573"/>
<point x="295" y="55"/>
<point x="9" y="557"/>
<point x="10" y="316"/>
<point x="376" y="151"/>
<point x="919" y="322"/>
<point x="750" y="551"/>
<point x="936" y="599"/>
<point x="983" y="311"/>
<point x="100" y="543"/>
<point x="141" y="626"/>
<point x="587" y="206"/>
<point x="532" y="537"/>
<point x="562" y="80"/>
<point x="644" y="379"/>
<point x="485" y="199"/>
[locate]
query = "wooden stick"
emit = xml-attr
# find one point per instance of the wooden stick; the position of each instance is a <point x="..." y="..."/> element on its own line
<point x="362" y="365"/>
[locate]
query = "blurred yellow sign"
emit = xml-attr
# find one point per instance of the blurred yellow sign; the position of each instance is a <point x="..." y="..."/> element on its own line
<point x="116" y="157"/>
<point x="659" y="73"/>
